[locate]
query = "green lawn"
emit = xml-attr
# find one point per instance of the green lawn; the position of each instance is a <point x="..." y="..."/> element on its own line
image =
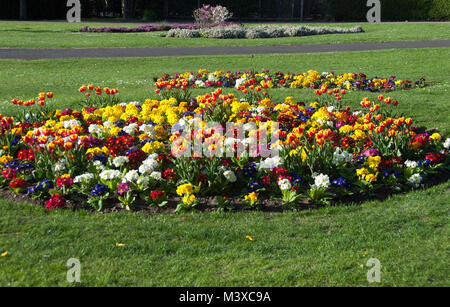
<point x="62" y="35"/>
<point x="408" y="232"/>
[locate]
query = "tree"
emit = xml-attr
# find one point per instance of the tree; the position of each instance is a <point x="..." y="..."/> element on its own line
<point x="23" y="9"/>
<point x="129" y="9"/>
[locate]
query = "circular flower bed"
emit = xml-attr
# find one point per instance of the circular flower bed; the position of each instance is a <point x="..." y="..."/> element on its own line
<point x="177" y="153"/>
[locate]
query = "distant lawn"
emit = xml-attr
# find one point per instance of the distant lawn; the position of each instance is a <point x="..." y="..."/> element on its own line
<point x="61" y="35"/>
<point x="134" y="77"/>
<point x="407" y="233"/>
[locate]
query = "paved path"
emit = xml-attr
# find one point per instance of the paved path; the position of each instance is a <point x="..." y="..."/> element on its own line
<point x="35" y="54"/>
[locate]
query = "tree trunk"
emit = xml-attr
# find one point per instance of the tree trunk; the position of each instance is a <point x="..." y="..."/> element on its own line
<point x="23" y="9"/>
<point x="129" y="9"/>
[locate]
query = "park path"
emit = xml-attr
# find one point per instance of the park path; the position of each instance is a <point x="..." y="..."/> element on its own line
<point x="37" y="54"/>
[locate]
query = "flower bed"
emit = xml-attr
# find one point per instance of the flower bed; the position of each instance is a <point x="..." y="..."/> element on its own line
<point x="178" y="153"/>
<point x="146" y="28"/>
<point x="310" y="79"/>
<point x="153" y="28"/>
<point x="272" y="31"/>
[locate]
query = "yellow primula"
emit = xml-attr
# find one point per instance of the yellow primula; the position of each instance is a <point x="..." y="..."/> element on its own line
<point x="373" y="162"/>
<point x="436" y="137"/>
<point x="188" y="199"/>
<point x="359" y="135"/>
<point x="253" y="197"/>
<point x="5" y="159"/>
<point x="153" y="147"/>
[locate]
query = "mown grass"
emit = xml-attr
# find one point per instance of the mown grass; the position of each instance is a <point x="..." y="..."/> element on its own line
<point x="64" y="35"/>
<point x="408" y="232"/>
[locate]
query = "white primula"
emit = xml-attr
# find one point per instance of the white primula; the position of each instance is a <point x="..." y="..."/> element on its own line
<point x="147" y="129"/>
<point x="340" y="156"/>
<point x="260" y="109"/>
<point x="200" y="83"/>
<point x="96" y="129"/>
<point x="321" y="181"/>
<point x="143" y="181"/>
<point x="239" y="82"/>
<point x="148" y="165"/>
<point x="130" y="129"/>
<point x="108" y="124"/>
<point x="69" y="124"/>
<point x="83" y="178"/>
<point x="270" y="163"/>
<point x="110" y="174"/>
<point x="447" y="143"/>
<point x="411" y="164"/>
<point x="284" y="184"/>
<point x="230" y="176"/>
<point x="156" y="175"/>
<point x="60" y="166"/>
<point x="415" y="180"/>
<point x="120" y="161"/>
<point x="99" y="165"/>
<point x="131" y="176"/>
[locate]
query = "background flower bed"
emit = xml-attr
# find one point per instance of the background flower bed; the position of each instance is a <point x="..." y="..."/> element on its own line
<point x="271" y="31"/>
<point x="151" y="28"/>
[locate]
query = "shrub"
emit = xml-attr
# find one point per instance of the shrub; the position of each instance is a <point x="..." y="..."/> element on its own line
<point x="208" y="14"/>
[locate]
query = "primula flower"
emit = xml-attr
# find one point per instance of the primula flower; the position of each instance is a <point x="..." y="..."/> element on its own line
<point x="17" y="183"/>
<point x="123" y="188"/>
<point x="156" y="194"/>
<point x="99" y="190"/>
<point x="284" y="184"/>
<point x="341" y="182"/>
<point x="252" y="197"/>
<point x="254" y="185"/>
<point x="56" y="201"/>
<point x="435" y="157"/>
<point x="249" y="170"/>
<point x="188" y="199"/>
<point x="230" y="176"/>
<point x="415" y="180"/>
<point x="169" y="174"/>
<point x="9" y="173"/>
<point x="321" y="181"/>
<point x="185" y="189"/>
<point x="64" y="181"/>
